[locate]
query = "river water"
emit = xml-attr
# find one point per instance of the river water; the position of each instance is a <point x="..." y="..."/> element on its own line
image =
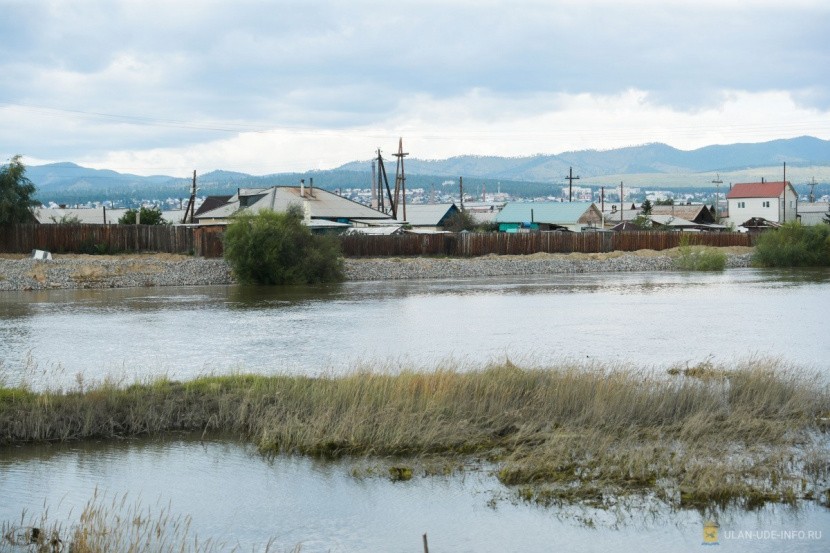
<point x="56" y="339"/>
<point x="649" y="319"/>
<point x="241" y="498"/>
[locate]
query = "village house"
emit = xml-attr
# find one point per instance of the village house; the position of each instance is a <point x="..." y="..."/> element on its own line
<point x="758" y="202"/>
<point x="322" y="210"/>
<point x="699" y="213"/>
<point x="571" y="216"/>
<point x="81" y="215"/>
<point x="814" y="213"/>
<point x="426" y="218"/>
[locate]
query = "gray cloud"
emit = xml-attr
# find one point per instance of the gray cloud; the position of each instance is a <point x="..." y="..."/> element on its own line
<point x="337" y="64"/>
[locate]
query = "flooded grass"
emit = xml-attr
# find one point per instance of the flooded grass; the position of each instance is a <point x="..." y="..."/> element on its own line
<point x="115" y="525"/>
<point x="695" y="437"/>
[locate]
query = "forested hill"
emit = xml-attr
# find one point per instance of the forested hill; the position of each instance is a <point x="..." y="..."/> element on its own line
<point x="655" y="165"/>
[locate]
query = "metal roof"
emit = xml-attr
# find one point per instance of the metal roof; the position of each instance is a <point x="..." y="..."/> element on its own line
<point x="689" y="212"/>
<point x="757" y="190"/>
<point x="426" y="215"/>
<point x="85" y="215"/>
<point x="375" y="231"/>
<point x="211" y="203"/>
<point x="672" y="221"/>
<point x="616" y="216"/>
<point x="322" y="204"/>
<point x="555" y="213"/>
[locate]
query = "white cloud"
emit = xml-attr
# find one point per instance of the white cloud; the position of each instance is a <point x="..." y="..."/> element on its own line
<point x="486" y="124"/>
<point x="170" y="84"/>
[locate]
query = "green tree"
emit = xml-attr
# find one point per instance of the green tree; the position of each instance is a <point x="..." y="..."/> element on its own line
<point x="646" y="208"/>
<point x="149" y="216"/>
<point x="827" y="215"/>
<point x="669" y="201"/>
<point x="277" y="248"/>
<point x="642" y="221"/>
<point x="16" y="191"/>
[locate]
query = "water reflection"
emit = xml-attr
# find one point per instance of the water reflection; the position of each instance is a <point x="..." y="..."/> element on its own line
<point x="647" y="319"/>
<point x="236" y="496"/>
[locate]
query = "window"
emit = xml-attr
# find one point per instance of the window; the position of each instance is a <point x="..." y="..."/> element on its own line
<point x="741" y="205"/>
<point x="765" y="204"/>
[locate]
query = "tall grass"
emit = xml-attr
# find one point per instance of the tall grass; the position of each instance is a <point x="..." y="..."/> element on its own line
<point x="698" y="258"/>
<point x="794" y="245"/>
<point x="695" y="436"/>
<point x="110" y="526"/>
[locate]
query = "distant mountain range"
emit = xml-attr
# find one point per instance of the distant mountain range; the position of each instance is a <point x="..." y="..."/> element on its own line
<point x="656" y="165"/>
<point x="649" y="158"/>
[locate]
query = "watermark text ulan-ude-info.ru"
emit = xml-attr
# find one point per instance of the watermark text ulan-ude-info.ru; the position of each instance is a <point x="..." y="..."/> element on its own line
<point x="772" y="535"/>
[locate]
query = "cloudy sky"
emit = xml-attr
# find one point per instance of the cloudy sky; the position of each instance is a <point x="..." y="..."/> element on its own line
<point x="262" y="87"/>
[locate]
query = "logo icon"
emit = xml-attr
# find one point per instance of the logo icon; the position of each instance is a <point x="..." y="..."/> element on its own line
<point x="710" y="532"/>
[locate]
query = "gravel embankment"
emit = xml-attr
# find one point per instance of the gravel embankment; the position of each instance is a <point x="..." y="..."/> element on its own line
<point x="164" y="270"/>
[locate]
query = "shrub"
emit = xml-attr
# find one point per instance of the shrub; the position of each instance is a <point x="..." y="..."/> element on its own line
<point x="460" y="221"/>
<point x="276" y="248"/>
<point x="699" y="258"/>
<point x="149" y="216"/>
<point x="794" y="245"/>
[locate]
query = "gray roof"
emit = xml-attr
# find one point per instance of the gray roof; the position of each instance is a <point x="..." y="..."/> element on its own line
<point x="555" y="213"/>
<point x="322" y="204"/>
<point x="86" y="215"/>
<point x="671" y="221"/>
<point x="426" y="215"/>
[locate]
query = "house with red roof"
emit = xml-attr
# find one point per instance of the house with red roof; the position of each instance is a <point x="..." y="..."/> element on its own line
<point x="776" y="202"/>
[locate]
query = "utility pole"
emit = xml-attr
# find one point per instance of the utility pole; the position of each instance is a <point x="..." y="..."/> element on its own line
<point x="622" y="204"/>
<point x="571" y="178"/>
<point x="602" y="204"/>
<point x="812" y="184"/>
<point x="400" y="177"/>
<point x="190" y="204"/>
<point x="717" y="182"/>
<point x="784" y="199"/>
<point x="374" y="200"/>
<point x="461" y="191"/>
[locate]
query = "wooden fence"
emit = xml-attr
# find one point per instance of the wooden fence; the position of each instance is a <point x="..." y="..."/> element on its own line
<point x="96" y="239"/>
<point x="207" y="241"/>
<point x="477" y="244"/>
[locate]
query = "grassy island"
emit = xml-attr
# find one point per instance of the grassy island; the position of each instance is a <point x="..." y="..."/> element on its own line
<point x="696" y="436"/>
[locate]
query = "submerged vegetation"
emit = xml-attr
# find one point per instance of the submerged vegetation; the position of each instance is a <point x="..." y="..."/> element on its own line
<point x="115" y="525"/>
<point x="695" y="437"/>
<point x="794" y="245"/>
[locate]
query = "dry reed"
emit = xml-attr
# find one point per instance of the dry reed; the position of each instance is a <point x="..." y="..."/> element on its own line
<point x="747" y="434"/>
<point x="115" y="525"/>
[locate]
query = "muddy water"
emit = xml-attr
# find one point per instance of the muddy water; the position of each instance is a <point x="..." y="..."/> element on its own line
<point x="653" y="319"/>
<point x="237" y="497"/>
<point x="60" y="338"/>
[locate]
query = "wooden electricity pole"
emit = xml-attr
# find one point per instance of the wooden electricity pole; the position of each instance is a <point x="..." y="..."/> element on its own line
<point x="190" y="203"/>
<point x="571" y="178"/>
<point x="717" y="182"/>
<point x="400" y="177"/>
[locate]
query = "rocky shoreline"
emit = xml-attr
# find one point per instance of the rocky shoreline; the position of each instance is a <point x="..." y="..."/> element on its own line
<point x="68" y="272"/>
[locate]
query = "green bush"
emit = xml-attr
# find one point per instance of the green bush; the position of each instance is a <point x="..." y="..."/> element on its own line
<point x="794" y="245"/>
<point x="699" y="258"/>
<point x="149" y="216"/>
<point x="276" y="248"/>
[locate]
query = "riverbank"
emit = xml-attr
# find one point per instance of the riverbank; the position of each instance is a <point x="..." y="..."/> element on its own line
<point x="87" y="271"/>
